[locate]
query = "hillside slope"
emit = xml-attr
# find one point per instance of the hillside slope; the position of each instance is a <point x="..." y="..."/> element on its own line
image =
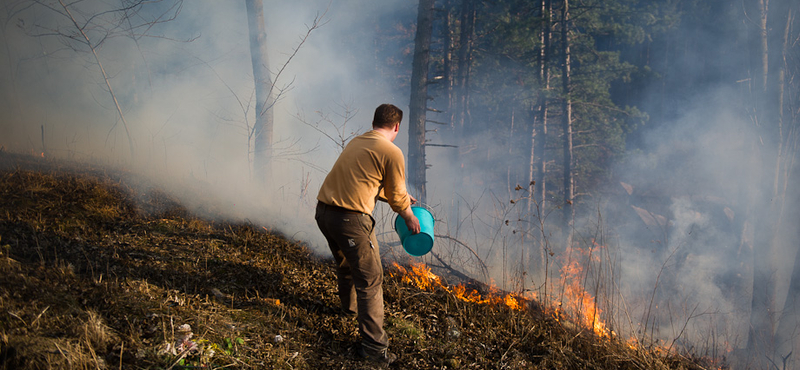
<point x="96" y="274"/>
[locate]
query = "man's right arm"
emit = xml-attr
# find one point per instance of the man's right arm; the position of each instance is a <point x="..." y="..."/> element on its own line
<point x="394" y="180"/>
<point x="411" y="221"/>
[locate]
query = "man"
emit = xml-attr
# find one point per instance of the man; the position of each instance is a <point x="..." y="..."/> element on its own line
<point x="371" y="167"/>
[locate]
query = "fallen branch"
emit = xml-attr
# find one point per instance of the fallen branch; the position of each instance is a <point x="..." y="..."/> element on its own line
<point x="452" y="270"/>
<point x="484" y="268"/>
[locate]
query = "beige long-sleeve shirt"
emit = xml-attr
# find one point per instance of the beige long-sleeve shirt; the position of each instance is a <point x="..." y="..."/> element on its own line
<point x="370" y="166"/>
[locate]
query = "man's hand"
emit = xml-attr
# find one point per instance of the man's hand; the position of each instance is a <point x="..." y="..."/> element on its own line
<point x="413" y="200"/>
<point x="411" y="221"/>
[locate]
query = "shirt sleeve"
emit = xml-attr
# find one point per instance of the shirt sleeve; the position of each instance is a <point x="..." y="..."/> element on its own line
<point x="381" y="197"/>
<point x="394" y="186"/>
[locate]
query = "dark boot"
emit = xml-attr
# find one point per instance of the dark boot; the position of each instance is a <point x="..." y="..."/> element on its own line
<point x="382" y="358"/>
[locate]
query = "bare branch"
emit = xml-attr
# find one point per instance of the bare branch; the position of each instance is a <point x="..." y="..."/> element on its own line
<point x="105" y="78"/>
<point x="93" y="29"/>
<point x="318" y="22"/>
<point x="484" y="268"/>
<point x="341" y="129"/>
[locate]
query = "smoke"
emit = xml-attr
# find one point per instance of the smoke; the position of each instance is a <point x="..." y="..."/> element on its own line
<point x="691" y="276"/>
<point x="673" y="220"/>
<point x="188" y="98"/>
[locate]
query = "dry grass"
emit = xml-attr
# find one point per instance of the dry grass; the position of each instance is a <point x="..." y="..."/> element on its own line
<point x="95" y="275"/>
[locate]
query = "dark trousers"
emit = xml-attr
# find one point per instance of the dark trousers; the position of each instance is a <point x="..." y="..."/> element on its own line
<point x="351" y="238"/>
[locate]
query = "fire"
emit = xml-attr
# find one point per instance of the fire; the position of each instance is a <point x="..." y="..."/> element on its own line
<point x="461" y="293"/>
<point x="419" y="276"/>
<point x="633" y="343"/>
<point x="512" y="302"/>
<point x="577" y="305"/>
<point x="422" y="277"/>
<point x="578" y="300"/>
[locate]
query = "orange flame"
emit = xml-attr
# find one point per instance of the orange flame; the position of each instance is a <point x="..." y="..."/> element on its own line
<point x="422" y="277"/>
<point x="578" y="300"/>
<point x="512" y="302"/>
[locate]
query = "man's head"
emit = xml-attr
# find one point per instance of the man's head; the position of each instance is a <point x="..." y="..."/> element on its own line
<point x="387" y="116"/>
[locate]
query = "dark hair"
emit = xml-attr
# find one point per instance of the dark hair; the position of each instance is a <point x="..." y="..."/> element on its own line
<point x="386" y="115"/>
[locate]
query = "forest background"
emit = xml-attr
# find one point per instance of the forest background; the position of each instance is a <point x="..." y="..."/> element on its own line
<point x="652" y="143"/>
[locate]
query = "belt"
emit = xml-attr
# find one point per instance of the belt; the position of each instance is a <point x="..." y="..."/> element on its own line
<point x="340" y="209"/>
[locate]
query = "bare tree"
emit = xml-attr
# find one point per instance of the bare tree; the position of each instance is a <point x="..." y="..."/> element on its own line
<point x="419" y="97"/>
<point x="790" y="71"/>
<point x="448" y="71"/>
<point x="538" y="166"/>
<point x="265" y="99"/>
<point x="464" y="64"/>
<point x="771" y="25"/>
<point x="538" y="163"/>
<point x="569" y="182"/>
<point x="267" y="90"/>
<point x="85" y="26"/>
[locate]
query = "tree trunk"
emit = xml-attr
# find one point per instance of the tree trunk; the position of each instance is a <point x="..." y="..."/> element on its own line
<point x="761" y="321"/>
<point x="447" y="39"/>
<point x="538" y="164"/>
<point x="460" y="89"/>
<point x="569" y="183"/>
<point x="263" y="128"/>
<point x="770" y="40"/>
<point x="419" y="98"/>
<point x="789" y="320"/>
<point x="464" y="63"/>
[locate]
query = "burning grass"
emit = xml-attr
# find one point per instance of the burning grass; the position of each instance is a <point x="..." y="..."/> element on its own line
<point x="96" y="274"/>
<point x="420" y="276"/>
